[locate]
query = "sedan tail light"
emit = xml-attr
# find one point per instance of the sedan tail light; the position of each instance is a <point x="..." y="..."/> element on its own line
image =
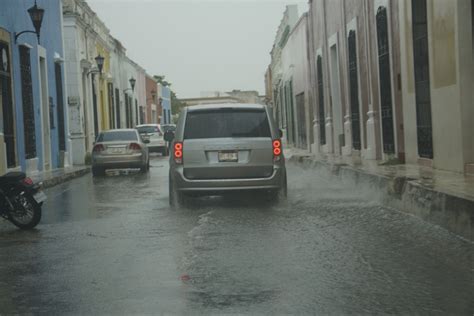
<point x="98" y="148"/>
<point x="27" y="181"/>
<point x="277" y="150"/>
<point x="178" y="152"/>
<point x="134" y="146"/>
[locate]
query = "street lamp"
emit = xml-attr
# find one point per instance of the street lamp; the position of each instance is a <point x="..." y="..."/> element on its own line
<point x="100" y="62"/>
<point x="100" y="65"/>
<point x="132" y="84"/>
<point x="36" y="15"/>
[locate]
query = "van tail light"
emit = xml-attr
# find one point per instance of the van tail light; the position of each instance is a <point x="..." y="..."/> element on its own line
<point x="178" y="153"/>
<point x="277" y="150"/>
<point x="98" y="148"/>
<point x="134" y="146"/>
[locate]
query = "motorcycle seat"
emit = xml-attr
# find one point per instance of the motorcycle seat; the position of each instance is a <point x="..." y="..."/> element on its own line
<point x="12" y="177"/>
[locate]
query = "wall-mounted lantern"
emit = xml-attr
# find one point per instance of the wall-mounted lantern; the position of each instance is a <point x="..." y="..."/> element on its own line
<point x="99" y="60"/>
<point x="36" y="15"/>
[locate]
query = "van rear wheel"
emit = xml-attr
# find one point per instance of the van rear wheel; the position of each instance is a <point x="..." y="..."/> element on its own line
<point x="176" y="198"/>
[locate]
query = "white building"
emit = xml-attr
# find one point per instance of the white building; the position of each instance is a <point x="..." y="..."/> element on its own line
<point x="85" y="38"/>
<point x="295" y="110"/>
<point x="289" y="20"/>
<point x="438" y="83"/>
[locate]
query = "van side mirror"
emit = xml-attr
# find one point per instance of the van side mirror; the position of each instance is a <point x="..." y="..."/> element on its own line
<point x="169" y="136"/>
<point x="280" y="133"/>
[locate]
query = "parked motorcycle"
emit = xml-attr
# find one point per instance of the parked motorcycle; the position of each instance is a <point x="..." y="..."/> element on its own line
<point x="20" y="200"/>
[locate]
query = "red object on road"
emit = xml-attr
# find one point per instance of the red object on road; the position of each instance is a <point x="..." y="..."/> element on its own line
<point x="185" y="277"/>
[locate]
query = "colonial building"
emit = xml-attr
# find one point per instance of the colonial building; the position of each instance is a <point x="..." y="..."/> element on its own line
<point x="164" y="95"/>
<point x="88" y="54"/>
<point x="153" y="106"/>
<point x="355" y="75"/>
<point x="295" y="111"/>
<point x="106" y="89"/>
<point x="34" y="125"/>
<point x="437" y="80"/>
<point x="387" y="80"/>
<point x="289" y="20"/>
<point x="234" y="96"/>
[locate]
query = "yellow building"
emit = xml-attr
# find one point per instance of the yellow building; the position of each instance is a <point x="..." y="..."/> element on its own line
<point x="103" y="101"/>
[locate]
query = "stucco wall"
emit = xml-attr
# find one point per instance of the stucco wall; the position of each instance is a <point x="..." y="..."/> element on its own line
<point x="14" y="18"/>
<point x="295" y="67"/>
<point x="451" y="76"/>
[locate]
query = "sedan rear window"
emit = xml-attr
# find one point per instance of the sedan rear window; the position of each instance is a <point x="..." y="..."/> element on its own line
<point x="224" y="123"/>
<point x="117" y="136"/>
<point x="148" y="129"/>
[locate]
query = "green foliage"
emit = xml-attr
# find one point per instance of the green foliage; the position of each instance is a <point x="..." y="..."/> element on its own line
<point x="176" y="104"/>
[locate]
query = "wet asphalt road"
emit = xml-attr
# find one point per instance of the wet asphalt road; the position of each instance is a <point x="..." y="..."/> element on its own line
<point x="112" y="245"/>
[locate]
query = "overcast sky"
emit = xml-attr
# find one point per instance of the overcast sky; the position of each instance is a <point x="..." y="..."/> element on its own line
<point x="199" y="45"/>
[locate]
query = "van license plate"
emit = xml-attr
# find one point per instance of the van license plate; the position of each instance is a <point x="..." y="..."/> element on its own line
<point x="227" y="156"/>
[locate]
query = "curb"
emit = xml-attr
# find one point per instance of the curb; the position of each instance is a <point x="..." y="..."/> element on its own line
<point x="65" y="178"/>
<point x="451" y="212"/>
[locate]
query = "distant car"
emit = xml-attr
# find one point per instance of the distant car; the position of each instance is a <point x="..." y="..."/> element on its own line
<point x="119" y="149"/>
<point x="154" y="134"/>
<point x="222" y="148"/>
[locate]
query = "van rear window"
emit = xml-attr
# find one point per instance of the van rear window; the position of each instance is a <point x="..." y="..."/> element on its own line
<point x="225" y="123"/>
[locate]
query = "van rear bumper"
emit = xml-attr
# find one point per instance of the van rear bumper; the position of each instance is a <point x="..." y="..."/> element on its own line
<point x="183" y="184"/>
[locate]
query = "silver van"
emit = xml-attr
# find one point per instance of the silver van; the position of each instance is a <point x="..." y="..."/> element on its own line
<point x="221" y="148"/>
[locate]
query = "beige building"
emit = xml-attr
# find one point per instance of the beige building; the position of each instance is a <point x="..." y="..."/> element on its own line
<point x="355" y="74"/>
<point x="216" y="97"/>
<point x="438" y="82"/>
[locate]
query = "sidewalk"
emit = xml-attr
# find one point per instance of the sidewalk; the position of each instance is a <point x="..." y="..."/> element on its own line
<point x="58" y="176"/>
<point x="441" y="197"/>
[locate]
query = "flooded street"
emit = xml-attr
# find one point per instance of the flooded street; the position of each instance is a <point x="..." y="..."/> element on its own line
<point x="113" y="245"/>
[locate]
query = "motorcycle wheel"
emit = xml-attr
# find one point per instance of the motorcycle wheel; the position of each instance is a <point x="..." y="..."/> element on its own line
<point x="27" y="213"/>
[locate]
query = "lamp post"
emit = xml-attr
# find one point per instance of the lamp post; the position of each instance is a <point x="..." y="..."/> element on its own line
<point x="128" y="104"/>
<point x="36" y="15"/>
<point x="100" y="65"/>
<point x="132" y="84"/>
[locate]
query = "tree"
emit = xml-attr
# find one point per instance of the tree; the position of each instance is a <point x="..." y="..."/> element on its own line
<point x="176" y="104"/>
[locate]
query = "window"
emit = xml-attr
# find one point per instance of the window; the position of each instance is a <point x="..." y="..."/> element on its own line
<point x="150" y="129"/>
<point x="28" y="108"/>
<point x="60" y="107"/>
<point x="301" y="112"/>
<point x="385" y="82"/>
<point x="322" y="116"/>
<point x="110" y="90"/>
<point x="6" y="103"/>
<point x="224" y="123"/>
<point x="354" y="91"/>
<point x="117" y="136"/>
<point x="422" y="79"/>
<point x="94" y="104"/>
<point x="117" y="106"/>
